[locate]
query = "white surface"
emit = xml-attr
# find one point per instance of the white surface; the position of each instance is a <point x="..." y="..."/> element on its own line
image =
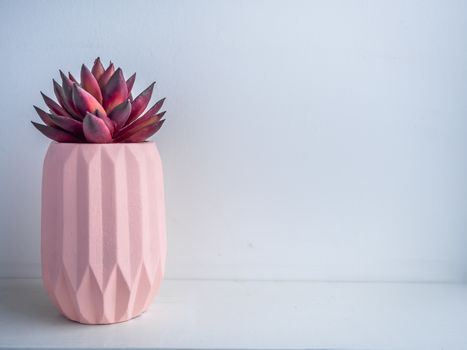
<point x="253" y="315"/>
<point x="304" y="139"/>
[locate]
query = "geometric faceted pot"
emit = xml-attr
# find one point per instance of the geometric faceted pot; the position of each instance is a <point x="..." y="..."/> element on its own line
<point x="103" y="240"/>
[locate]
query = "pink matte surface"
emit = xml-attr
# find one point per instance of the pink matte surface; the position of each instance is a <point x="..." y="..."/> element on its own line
<point x="103" y="229"/>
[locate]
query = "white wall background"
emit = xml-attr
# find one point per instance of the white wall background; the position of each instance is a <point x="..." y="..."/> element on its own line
<point x="304" y="140"/>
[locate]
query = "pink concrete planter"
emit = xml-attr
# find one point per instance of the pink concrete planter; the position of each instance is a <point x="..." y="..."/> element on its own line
<point x="103" y="229"/>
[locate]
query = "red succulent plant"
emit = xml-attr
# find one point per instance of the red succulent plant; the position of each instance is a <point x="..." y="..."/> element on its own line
<point x="100" y="109"/>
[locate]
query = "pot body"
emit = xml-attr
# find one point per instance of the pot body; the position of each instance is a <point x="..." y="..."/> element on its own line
<point x="103" y="241"/>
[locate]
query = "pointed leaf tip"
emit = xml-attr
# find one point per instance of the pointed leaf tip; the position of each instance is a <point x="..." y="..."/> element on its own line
<point x="138" y="125"/>
<point x="140" y="103"/>
<point x="154" y="109"/>
<point x="67" y="100"/>
<point x="45" y="117"/>
<point x="54" y="106"/>
<point x="145" y="133"/>
<point x="130" y="82"/>
<point x="72" y="78"/>
<point x="54" y="133"/>
<point x="67" y="83"/>
<point x="97" y="68"/>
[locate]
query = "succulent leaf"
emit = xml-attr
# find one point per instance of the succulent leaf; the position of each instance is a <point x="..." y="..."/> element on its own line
<point x="55" y="134"/>
<point x="154" y="109"/>
<point x="145" y="132"/>
<point x="140" y="103"/>
<point x="110" y="124"/>
<point x="54" y="106"/>
<point x="115" y="92"/>
<point x="45" y="117"/>
<point x="138" y="125"/>
<point x="144" y="121"/>
<point x="90" y="84"/>
<point x="85" y="102"/>
<point x="95" y="130"/>
<point x="105" y="77"/>
<point x="68" y="104"/>
<point x="130" y="82"/>
<point x="72" y="78"/>
<point x="62" y="100"/>
<point x="68" y="124"/>
<point x="67" y="83"/>
<point x="97" y="69"/>
<point x="120" y="114"/>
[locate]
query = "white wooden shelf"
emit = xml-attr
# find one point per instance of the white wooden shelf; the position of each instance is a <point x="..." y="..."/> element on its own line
<point x="193" y="314"/>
